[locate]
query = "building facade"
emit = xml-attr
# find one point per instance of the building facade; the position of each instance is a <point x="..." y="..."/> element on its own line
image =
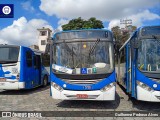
<point x="44" y="36"/>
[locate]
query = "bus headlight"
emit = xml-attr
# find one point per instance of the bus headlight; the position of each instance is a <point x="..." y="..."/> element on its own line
<point x="144" y="86"/>
<point x="107" y="87"/>
<point x="57" y="87"/>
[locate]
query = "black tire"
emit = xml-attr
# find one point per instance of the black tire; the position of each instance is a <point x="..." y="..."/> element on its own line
<point x="45" y="80"/>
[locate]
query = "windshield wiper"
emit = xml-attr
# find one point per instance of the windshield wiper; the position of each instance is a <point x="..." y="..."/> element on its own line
<point x="93" y="47"/>
<point x="69" y="49"/>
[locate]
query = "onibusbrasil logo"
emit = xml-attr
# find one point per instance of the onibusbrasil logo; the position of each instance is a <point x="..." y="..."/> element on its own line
<point x="6" y="10"/>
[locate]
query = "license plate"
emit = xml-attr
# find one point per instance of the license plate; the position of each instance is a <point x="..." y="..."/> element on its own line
<point x="82" y="96"/>
<point x="2" y="79"/>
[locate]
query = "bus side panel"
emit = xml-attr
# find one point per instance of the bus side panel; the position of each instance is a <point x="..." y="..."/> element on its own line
<point x="22" y="65"/>
<point x="27" y="72"/>
<point x="45" y="71"/>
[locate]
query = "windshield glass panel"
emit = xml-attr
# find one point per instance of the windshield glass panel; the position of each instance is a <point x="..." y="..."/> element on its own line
<point x="81" y="35"/>
<point x="149" y="55"/>
<point x="83" y="57"/>
<point x="150" y="31"/>
<point x="9" y="54"/>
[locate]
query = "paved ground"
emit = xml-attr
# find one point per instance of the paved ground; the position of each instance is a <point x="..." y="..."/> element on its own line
<point x="39" y="100"/>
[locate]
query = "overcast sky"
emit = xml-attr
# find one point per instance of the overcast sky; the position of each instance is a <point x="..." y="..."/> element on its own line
<point x="32" y="14"/>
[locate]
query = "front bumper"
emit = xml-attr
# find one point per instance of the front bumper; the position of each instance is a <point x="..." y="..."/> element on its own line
<point x="144" y="95"/>
<point x="92" y="95"/>
<point x="12" y="85"/>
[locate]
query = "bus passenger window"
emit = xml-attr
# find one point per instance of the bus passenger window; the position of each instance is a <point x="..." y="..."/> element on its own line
<point x="29" y="58"/>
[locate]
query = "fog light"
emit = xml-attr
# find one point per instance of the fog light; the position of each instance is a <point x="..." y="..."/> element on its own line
<point x="155" y="85"/>
<point x="64" y="85"/>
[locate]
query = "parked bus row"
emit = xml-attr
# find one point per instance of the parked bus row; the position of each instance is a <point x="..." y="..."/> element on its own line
<point x="82" y="65"/>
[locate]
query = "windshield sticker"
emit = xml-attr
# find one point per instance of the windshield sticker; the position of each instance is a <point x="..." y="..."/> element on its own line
<point x="94" y="70"/>
<point x="62" y="69"/>
<point x="83" y="70"/>
<point x="78" y="70"/>
<point x="89" y="70"/>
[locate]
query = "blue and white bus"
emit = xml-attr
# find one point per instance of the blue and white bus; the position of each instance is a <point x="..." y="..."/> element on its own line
<point x="82" y="65"/>
<point x="139" y="64"/>
<point x="22" y="68"/>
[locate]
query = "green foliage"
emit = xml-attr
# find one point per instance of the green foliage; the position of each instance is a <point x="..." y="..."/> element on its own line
<point x="121" y="35"/>
<point x="80" y="23"/>
<point x="117" y="32"/>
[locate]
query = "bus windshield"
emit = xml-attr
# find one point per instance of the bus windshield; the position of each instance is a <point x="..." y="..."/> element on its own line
<point x="149" y="55"/>
<point x="9" y="54"/>
<point x="84" y="55"/>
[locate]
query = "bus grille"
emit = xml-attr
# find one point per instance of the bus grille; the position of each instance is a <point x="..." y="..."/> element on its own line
<point x="82" y="81"/>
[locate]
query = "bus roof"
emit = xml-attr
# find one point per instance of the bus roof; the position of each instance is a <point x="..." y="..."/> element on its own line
<point x="81" y="30"/>
<point x="65" y="31"/>
<point x="82" y="34"/>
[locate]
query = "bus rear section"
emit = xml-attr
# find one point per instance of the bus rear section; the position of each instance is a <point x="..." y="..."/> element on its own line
<point x="10" y="67"/>
<point x="21" y="68"/>
<point x="82" y="65"/>
<point x="139" y="64"/>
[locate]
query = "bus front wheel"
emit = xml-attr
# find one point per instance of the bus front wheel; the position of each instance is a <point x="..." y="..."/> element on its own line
<point x="45" y="81"/>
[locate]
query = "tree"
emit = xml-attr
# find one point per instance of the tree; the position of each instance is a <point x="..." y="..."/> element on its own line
<point x="80" y="23"/>
<point x="116" y="32"/>
<point x="121" y="36"/>
<point x="117" y="36"/>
